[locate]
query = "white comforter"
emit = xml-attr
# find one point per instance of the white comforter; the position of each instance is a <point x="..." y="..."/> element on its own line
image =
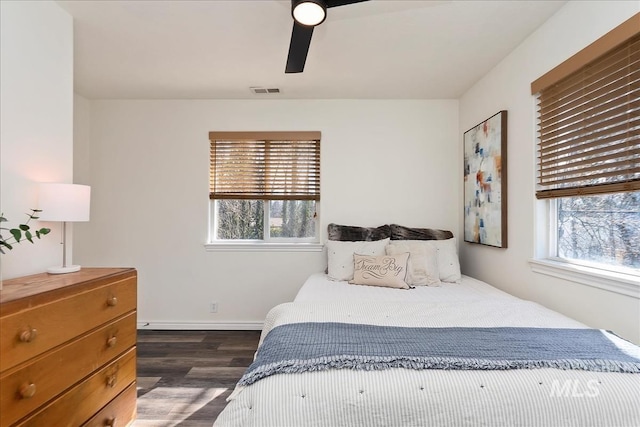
<point x="403" y="397"/>
<point x="319" y="288"/>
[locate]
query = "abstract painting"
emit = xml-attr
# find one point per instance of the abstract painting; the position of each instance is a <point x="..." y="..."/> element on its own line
<point x="485" y="182"/>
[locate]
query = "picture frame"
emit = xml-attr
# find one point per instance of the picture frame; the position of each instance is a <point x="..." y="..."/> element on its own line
<point x="485" y="182"/>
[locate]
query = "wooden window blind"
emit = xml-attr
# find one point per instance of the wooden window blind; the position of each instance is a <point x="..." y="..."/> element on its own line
<point x="589" y="122"/>
<point x="265" y="165"/>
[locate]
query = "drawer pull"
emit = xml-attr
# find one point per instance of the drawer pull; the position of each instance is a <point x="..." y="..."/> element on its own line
<point x="110" y="422"/>
<point x="112" y="301"/>
<point x="111" y="342"/>
<point x="111" y="380"/>
<point x="27" y="390"/>
<point x="28" y="335"/>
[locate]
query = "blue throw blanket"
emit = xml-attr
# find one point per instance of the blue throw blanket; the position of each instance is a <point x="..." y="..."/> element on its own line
<point x="313" y="346"/>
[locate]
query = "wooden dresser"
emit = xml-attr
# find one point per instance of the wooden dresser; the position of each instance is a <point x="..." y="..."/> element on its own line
<point x="68" y="349"/>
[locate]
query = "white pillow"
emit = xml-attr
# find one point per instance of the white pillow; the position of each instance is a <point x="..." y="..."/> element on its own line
<point x="340" y="256"/>
<point x="385" y="270"/>
<point x="447" y="254"/>
<point x="448" y="262"/>
<point x="423" y="262"/>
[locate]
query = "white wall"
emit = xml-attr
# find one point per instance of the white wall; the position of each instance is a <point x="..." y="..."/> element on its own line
<point x="507" y="87"/>
<point x="382" y="161"/>
<point x="81" y="142"/>
<point x="36" y="116"/>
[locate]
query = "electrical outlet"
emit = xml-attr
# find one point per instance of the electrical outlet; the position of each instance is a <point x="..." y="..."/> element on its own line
<point x="214" y="307"/>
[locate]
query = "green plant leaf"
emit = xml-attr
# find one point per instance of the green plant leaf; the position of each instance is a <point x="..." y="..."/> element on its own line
<point x="17" y="234"/>
<point x="42" y="232"/>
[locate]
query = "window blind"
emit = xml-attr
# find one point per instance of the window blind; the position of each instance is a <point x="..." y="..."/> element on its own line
<point x="265" y="165"/>
<point x="589" y="126"/>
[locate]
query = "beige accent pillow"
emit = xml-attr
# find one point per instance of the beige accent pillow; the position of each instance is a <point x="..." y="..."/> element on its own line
<point x="423" y="262"/>
<point x="384" y="270"/>
<point x="448" y="263"/>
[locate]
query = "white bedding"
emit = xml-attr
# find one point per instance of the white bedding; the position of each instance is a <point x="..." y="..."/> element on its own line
<point x="404" y="397"/>
<point x="319" y="288"/>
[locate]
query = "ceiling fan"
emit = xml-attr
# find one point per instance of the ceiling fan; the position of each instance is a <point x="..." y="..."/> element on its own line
<point x="306" y="15"/>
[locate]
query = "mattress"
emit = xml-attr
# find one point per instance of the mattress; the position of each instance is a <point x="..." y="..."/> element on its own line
<point x="409" y="397"/>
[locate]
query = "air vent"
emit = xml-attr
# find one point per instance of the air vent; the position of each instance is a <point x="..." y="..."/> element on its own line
<point x="260" y="90"/>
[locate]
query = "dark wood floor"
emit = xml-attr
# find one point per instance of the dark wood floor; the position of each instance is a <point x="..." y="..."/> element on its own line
<point x="184" y="377"/>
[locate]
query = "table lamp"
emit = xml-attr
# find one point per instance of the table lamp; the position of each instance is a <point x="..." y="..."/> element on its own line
<point x="64" y="203"/>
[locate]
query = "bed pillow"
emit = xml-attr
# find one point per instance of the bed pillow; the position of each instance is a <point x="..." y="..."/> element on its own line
<point x="447" y="255"/>
<point x="385" y="270"/>
<point x="399" y="232"/>
<point x="340" y="256"/>
<point x="422" y="267"/>
<point x="448" y="262"/>
<point x="348" y="233"/>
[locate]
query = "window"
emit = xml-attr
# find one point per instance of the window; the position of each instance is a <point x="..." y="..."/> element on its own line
<point x="601" y="229"/>
<point x="264" y="186"/>
<point x="589" y="151"/>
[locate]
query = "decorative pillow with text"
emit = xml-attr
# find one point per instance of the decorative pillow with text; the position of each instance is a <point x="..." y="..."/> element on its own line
<point x="385" y="270"/>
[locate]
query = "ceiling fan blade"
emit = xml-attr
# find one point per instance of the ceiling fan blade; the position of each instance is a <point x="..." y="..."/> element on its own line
<point x="299" y="47"/>
<point x="336" y="3"/>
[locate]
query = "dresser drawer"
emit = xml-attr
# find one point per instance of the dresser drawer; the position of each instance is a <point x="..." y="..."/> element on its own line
<point x="35" y="330"/>
<point x="79" y="404"/>
<point x="120" y="412"/>
<point x="30" y="385"/>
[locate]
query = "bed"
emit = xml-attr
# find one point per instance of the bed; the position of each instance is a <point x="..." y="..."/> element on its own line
<point x="317" y="377"/>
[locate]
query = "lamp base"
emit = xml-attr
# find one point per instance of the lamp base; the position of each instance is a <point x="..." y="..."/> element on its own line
<point x="63" y="270"/>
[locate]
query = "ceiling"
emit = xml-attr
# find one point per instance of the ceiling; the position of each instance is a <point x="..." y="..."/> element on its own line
<point x="219" y="49"/>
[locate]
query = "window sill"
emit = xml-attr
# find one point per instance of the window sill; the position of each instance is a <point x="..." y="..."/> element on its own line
<point x="621" y="283"/>
<point x="263" y="247"/>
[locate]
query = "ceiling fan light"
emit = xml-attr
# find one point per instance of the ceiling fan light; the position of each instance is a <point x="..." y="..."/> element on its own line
<point x="309" y="12"/>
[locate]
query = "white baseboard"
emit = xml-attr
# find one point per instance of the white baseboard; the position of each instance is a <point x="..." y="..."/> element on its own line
<point x="201" y="326"/>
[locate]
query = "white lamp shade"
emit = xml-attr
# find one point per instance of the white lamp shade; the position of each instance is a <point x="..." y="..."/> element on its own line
<point x="64" y="202"/>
